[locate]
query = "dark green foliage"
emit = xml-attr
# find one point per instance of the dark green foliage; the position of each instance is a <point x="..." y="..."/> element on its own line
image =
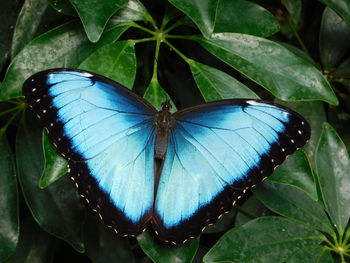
<point x="294" y="52"/>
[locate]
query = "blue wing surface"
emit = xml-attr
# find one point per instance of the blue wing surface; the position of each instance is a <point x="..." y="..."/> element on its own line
<point x="215" y="153"/>
<point x="107" y="134"/>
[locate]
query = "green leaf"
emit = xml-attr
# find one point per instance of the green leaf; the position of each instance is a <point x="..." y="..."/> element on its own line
<point x="252" y="208"/>
<point x="102" y="244"/>
<point x="35" y="245"/>
<point x="156" y="95"/>
<point x="317" y="254"/>
<point x="285" y="75"/>
<point x="159" y="251"/>
<point x="55" y="164"/>
<point x="256" y="20"/>
<point x="216" y="85"/>
<point x="296" y="171"/>
<point x="343" y="70"/>
<point x="95" y="14"/>
<point x="334" y="38"/>
<point x="266" y="239"/>
<point x="342" y="7"/>
<point x="116" y="61"/>
<point x="223" y="224"/>
<point x="314" y="112"/>
<point x="27" y="24"/>
<point x="333" y="170"/>
<point x="8" y="12"/>
<point x="214" y="16"/>
<point x="57" y="208"/>
<point x="134" y="10"/>
<point x="294" y="204"/>
<point x="64" y="46"/>
<point x="300" y="53"/>
<point x="9" y="228"/>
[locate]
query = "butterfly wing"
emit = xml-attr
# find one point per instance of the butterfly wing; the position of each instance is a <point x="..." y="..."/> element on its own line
<point x="215" y="153"/>
<point x="107" y="134"/>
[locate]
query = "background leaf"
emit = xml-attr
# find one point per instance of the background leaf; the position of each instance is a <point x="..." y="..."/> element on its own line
<point x="102" y="244"/>
<point x="294" y="204"/>
<point x="280" y="235"/>
<point x="214" y="16"/>
<point x="95" y="14"/>
<point x="334" y="38"/>
<point x="29" y="250"/>
<point x="296" y="171"/>
<point x="334" y="176"/>
<point x="342" y="7"/>
<point x="285" y="75"/>
<point x="9" y="227"/>
<point x="162" y="252"/>
<point x="64" y="46"/>
<point x="116" y="61"/>
<point x="27" y="24"/>
<point x="55" y="164"/>
<point x="156" y="95"/>
<point x="63" y="216"/>
<point x="216" y="85"/>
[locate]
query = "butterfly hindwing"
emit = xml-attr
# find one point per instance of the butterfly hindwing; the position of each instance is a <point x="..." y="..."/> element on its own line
<point x="107" y="134"/>
<point x="215" y="153"/>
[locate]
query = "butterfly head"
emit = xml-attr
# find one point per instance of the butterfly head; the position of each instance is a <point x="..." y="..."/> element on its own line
<point x="166" y="106"/>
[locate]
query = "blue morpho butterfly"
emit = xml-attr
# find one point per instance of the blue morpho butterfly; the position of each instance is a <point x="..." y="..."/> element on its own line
<point x="137" y="166"/>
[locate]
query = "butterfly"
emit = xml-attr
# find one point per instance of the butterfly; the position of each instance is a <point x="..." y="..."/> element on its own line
<point x="138" y="167"/>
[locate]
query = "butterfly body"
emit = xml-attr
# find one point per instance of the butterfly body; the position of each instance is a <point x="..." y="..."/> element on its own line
<point x="137" y="166"/>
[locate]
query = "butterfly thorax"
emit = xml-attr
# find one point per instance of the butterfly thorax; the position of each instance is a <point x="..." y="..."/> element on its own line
<point x="163" y="123"/>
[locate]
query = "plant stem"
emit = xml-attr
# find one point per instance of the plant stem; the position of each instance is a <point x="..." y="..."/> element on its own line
<point x="188" y="60"/>
<point x="133" y="24"/>
<point x="10" y="110"/>
<point x="192" y="37"/>
<point x="155" y="61"/>
<point x="173" y="26"/>
<point x="143" y="40"/>
<point x="9" y="121"/>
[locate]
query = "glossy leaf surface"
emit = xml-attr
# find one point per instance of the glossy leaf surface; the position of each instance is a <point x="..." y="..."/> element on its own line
<point x="116" y="61"/>
<point x="64" y="46"/>
<point x="334" y="176"/>
<point x="294" y="204"/>
<point x="285" y="75"/>
<point x="55" y="164"/>
<point x="280" y="239"/>
<point x="214" y="16"/>
<point x="95" y="14"/>
<point x="217" y="85"/>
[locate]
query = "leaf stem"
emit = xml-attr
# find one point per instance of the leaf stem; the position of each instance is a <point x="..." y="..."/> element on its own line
<point x="133" y="24"/>
<point x="186" y="59"/>
<point x="192" y="37"/>
<point x="9" y="121"/>
<point x="143" y="40"/>
<point x="173" y="26"/>
<point x="155" y="61"/>
<point x="10" y="110"/>
<point x="297" y="36"/>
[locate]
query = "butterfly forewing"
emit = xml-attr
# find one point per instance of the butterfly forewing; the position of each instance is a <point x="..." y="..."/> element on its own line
<point x="107" y="133"/>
